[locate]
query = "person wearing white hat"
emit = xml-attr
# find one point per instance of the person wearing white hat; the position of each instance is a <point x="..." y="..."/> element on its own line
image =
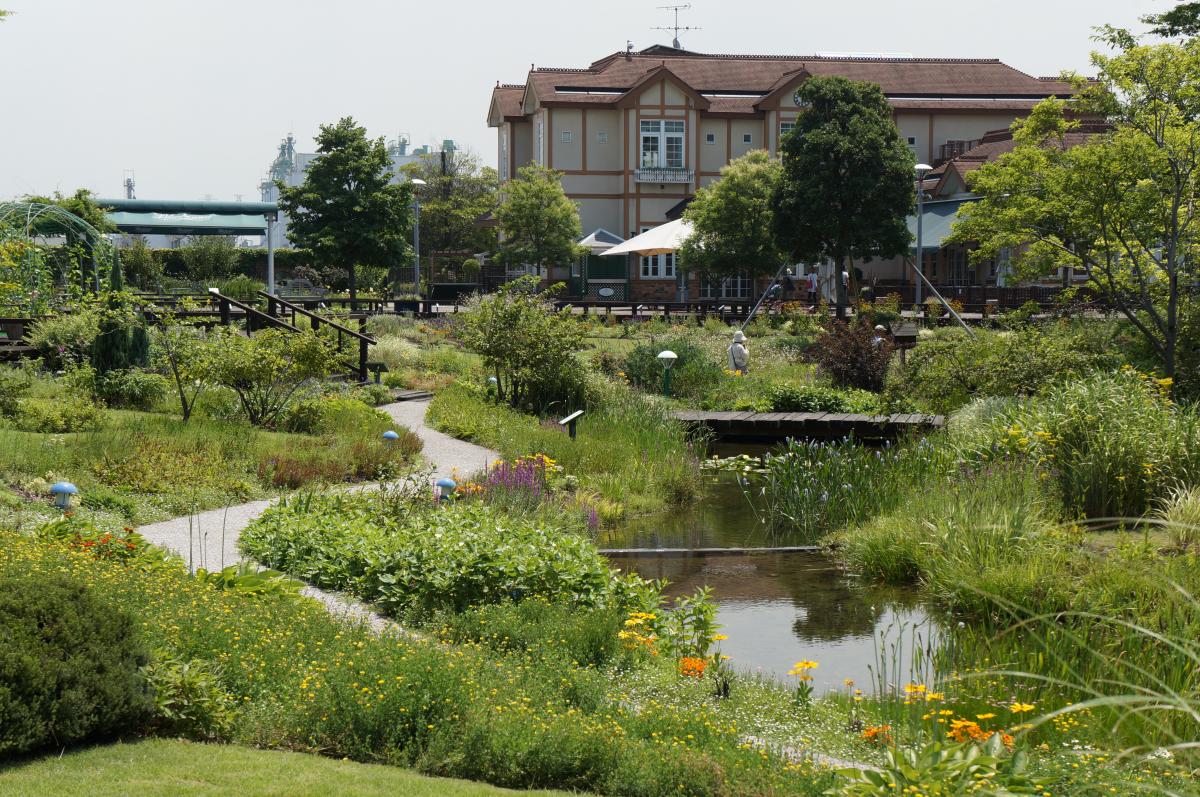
<point x="739" y="355"/>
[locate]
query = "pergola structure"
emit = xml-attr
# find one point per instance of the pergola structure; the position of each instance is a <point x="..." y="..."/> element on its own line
<point x="182" y="217"/>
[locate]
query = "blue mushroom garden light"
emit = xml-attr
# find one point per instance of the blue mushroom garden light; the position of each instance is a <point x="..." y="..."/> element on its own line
<point x="445" y="488"/>
<point x="390" y="436"/>
<point x="62" y="492"/>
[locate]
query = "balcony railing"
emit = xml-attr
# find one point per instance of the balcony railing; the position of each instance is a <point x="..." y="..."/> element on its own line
<point x="662" y="174"/>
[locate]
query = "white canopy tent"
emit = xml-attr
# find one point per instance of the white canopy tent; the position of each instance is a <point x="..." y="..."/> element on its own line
<point x="659" y="240"/>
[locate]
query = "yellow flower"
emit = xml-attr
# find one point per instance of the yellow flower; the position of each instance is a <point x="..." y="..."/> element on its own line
<point x="914" y="689"/>
<point x="848" y="682"/>
<point x="1021" y="708"/>
<point x="720" y="637"/>
<point x="984" y="716"/>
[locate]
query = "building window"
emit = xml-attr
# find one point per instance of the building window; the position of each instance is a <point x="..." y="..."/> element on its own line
<point x="710" y="138"/>
<point x="658" y="266"/>
<point x="662" y="144"/>
<point x="567" y="137"/>
<point x="957" y="266"/>
<point x="785" y="128"/>
<point x="912" y="141"/>
<point x="747" y="138"/>
<point x="736" y="287"/>
<point x="601" y="136"/>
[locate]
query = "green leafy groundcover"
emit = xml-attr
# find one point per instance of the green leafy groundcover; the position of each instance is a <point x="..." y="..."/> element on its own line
<point x="304" y="680"/>
<point x="411" y="557"/>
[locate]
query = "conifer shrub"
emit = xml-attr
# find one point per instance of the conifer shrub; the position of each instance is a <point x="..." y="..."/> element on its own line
<point x="69" y="666"/>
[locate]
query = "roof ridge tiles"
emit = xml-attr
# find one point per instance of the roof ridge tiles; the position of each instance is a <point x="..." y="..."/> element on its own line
<point x="813" y="57"/>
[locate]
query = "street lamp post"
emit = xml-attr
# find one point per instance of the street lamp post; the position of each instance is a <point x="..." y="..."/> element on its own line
<point x="667" y="358"/>
<point x="416" y="207"/>
<point x="922" y="169"/>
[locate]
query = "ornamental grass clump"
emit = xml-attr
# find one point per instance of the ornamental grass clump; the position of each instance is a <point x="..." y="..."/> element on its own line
<point x="1113" y="444"/>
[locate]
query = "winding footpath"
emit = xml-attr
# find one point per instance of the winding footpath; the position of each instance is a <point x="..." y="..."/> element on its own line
<point x="209" y="539"/>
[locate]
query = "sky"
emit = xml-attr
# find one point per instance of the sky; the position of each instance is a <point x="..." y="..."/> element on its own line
<point x="194" y="97"/>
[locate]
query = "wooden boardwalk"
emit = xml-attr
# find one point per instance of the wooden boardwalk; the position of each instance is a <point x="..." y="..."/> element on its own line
<point x="778" y="426"/>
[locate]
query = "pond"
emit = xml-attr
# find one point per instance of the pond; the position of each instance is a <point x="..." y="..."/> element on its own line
<point x="777" y="609"/>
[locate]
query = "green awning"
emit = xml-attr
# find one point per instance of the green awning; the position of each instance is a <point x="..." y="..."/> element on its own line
<point x="188" y="223"/>
<point x="938" y="220"/>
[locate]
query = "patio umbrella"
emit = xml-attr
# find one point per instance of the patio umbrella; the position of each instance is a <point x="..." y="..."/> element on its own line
<point x="659" y="240"/>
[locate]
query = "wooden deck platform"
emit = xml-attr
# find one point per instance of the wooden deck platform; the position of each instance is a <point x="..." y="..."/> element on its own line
<point x="777" y="426"/>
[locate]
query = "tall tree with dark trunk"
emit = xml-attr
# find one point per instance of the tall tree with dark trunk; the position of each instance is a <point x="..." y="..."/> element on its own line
<point x="349" y="211"/>
<point x="847" y="185"/>
<point x="458" y="191"/>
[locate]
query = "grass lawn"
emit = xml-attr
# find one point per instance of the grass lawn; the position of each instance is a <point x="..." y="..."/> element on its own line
<point x="163" y="767"/>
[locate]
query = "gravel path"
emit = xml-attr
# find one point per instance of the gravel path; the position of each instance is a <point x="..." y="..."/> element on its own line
<point x="444" y="452"/>
<point x="209" y="539"/>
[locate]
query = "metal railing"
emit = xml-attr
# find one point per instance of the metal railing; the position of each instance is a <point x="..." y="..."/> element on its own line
<point x="663" y="174"/>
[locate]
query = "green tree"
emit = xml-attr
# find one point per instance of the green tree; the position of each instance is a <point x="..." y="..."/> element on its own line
<point x="208" y="258"/>
<point x="539" y="225"/>
<point x="349" y="212"/>
<point x="733" y="221"/>
<point x="142" y="265"/>
<point x="847" y="185"/>
<point x="74" y="258"/>
<point x="457" y="192"/>
<point x="266" y="369"/>
<point x="528" y="347"/>
<point x="178" y="348"/>
<point x="1120" y="208"/>
<point x="1182" y="20"/>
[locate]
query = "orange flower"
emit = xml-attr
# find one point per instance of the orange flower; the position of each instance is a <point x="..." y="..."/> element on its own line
<point x="692" y="667"/>
<point x="877" y="734"/>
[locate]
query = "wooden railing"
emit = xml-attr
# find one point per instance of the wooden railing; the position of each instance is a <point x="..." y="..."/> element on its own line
<point x="275" y="304"/>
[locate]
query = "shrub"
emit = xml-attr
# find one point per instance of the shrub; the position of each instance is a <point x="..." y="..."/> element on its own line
<point x="130" y="388"/>
<point x="527" y="346"/>
<point x="814" y="398"/>
<point x="693" y="375"/>
<point x="849" y="355"/>
<point x="14" y="382"/>
<point x="373" y="395"/>
<point x="412" y="559"/>
<point x="241" y="287"/>
<point x="1113" y="444"/>
<point x="69" y="665"/>
<point x="944" y="373"/>
<point x="341" y="415"/>
<point x="65" y="340"/>
<point x="266" y="369"/>
<point x="57" y="416"/>
<point x="209" y="258"/>
<point x="189" y="700"/>
<point x="123" y="341"/>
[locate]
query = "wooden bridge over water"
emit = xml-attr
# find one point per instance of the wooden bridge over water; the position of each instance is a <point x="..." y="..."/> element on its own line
<point x="771" y="427"/>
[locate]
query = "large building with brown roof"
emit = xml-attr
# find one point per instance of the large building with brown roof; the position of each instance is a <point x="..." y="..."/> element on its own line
<point x="635" y="134"/>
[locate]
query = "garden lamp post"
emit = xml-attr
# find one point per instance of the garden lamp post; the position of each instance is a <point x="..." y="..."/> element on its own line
<point x="62" y="492"/>
<point x="921" y="169"/>
<point x="445" y="488"/>
<point x="416" y="208"/>
<point x="667" y="358"/>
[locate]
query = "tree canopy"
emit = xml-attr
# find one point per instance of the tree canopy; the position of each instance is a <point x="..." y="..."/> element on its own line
<point x="733" y="221"/>
<point x="847" y="185"/>
<point x="539" y="224"/>
<point x="1182" y="20"/>
<point x="457" y="193"/>
<point x="349" y="211"/>
<point x="1121" y="207"/>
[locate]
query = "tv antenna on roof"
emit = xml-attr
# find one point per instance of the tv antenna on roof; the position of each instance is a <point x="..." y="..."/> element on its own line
<point x="676" y="27"/>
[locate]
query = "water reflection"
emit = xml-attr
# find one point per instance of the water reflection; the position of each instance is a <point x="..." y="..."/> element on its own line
<point x="776" y="608"/>
<point x="780" y="608"/>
